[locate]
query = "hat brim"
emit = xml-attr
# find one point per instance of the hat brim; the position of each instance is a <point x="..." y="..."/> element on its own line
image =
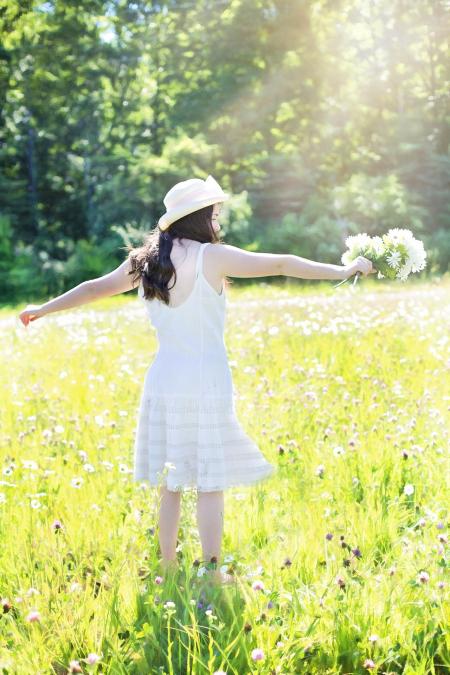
<point x="174" y="214"/>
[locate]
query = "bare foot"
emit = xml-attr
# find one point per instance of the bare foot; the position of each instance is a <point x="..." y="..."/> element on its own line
<point x="220" y="578"/>
<point x="169" y="566"/>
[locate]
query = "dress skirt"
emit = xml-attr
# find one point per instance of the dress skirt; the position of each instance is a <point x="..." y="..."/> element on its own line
<point x="183" y="442"/>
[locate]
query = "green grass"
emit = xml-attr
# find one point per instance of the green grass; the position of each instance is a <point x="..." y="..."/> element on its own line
<point x="346" y="393"/>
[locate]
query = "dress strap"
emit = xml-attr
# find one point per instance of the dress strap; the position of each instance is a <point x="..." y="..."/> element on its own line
<point x="199" y="265"/>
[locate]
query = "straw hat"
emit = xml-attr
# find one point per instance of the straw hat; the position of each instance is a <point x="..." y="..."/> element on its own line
<point x="189" y="196"/>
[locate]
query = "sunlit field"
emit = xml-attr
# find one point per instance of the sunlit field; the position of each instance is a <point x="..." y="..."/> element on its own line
<point x="340" y="558"/>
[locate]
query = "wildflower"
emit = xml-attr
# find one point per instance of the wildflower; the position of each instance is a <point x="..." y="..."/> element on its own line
<point x="279" y="644"/>
<point x="270" y="604"/>
<point x="373" y="638"/>
<point x="369" y="664"/>
<point x="393" y="259"/>
<point x="88" y="467"/>
<point x="338" y="450"/>
<point x="74" y="667"/>
<point x="159" y="580"/>
<point x="329" y="536"/>
<point x="423" y="577"/>
<point x="340" y="581"/>
<point x="169" y="465"/>
<point x="92" y="658"/>
<point x="320" y="470"/>
<point x="247" y="628"/>
<point x="169" y="604"/>
<point x="356" y="552"/>
<point x="408" y="489"/>
<point x="33" y="616"/>
<point x="29" y="464"/>
<point x="441" y="585"/>
<point x="258" y="585"/>
<point x="6" y="605"/>
<point x="75" y="587"/>
<point x="257" y="654"/>
<point x="57" y="525"/>
<point x="76" y="482"/>
<point x="32" y="591"/>
<point x="35" y="504"/>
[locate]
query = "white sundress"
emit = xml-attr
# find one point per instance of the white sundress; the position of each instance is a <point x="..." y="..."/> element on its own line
<point x="187" y="414"/>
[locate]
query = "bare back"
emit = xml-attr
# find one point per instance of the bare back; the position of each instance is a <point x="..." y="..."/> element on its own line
<point x="184" y="258"/>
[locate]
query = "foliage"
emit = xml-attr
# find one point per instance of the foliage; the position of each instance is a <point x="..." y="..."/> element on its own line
<point x="104" y="105"/>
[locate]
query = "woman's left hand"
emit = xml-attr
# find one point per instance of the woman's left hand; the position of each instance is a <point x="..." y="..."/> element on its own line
<point x="30" y="313"/>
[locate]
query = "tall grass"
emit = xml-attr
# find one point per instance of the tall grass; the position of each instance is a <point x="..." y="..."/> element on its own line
<point x="340" y="558"/>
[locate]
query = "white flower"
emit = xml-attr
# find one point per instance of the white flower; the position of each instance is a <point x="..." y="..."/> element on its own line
<point x="394" y="259"/>
<point x="398" y="235"/>
<point x="408" y="489"/>
<point x="76" y="482"/>
<point x="346" y="258"/>
<point x="416" y="255"/>
<point x="169" y="465"/>
<point x="358" y="242"/>
<point x="377" y="245"/>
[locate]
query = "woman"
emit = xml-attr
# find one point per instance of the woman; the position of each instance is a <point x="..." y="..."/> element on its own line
<point x="188" y="434"/>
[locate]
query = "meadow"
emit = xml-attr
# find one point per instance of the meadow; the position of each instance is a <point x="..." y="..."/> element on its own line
<point x="340" y="558"/>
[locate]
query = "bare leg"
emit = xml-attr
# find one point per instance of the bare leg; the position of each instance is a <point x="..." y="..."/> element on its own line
<point x="210" y="511"/>
<point x="169" y="518"/>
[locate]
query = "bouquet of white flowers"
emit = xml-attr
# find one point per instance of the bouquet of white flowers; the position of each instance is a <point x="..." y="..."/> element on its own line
<point x="394" y="255"/>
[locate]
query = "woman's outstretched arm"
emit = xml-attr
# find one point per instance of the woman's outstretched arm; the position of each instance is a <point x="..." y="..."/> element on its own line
<point x="117" y="281"/>
<point x="232" y="261"/>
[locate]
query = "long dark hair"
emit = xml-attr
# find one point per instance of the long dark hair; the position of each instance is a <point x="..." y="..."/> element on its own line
<point x="151" y="261"/>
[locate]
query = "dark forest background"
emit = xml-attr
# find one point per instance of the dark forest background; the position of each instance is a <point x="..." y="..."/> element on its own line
<point x="323" y="118"/>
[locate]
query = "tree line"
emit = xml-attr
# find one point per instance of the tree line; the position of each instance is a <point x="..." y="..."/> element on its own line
<point x="323" y="118"/>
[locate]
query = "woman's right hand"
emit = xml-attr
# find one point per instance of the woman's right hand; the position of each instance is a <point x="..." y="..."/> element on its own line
<point x="30" y="313"/>
<point x="360" y="264"/>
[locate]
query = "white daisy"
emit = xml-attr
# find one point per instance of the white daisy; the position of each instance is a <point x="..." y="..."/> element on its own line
<point x="394" y="259"/>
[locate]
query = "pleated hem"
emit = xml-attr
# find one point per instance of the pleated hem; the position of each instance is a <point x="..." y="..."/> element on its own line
<point x="186" y="443"/>
<point x="240" y="482"/>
